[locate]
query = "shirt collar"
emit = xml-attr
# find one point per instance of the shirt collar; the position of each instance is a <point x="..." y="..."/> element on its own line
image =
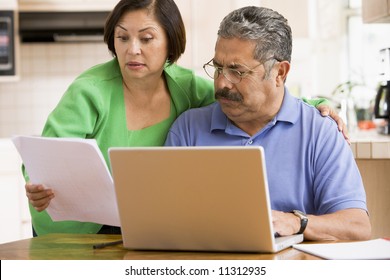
<point x="219" y="121"/>
<point x="289" y="110"/>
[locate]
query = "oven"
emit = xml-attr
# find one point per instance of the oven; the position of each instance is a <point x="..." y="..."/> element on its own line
<point x="9" y="40"/>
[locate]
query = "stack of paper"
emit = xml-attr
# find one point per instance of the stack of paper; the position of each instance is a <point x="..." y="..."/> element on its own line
<point x="77" y="173"/>
<point x="377" y="249"/>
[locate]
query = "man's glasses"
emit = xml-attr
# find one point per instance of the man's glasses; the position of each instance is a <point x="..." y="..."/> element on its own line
<point x="232" y="75"/>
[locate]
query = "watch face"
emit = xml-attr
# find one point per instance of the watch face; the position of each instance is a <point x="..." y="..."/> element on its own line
<point x="300" y="214"/>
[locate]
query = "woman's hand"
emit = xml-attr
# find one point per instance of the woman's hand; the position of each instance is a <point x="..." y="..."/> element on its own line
<point x="326" y="110"/>
<point x="38" y="196"/>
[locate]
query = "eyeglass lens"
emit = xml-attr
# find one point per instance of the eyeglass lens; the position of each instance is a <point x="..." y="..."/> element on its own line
<point x="231" y="75"/>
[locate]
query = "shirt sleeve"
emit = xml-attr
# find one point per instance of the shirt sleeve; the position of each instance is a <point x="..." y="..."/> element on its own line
<point x="337" y="183"/>
<point x="76" y="115"/>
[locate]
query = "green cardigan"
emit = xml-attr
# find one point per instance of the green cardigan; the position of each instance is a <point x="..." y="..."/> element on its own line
<point x="93" y="107"/>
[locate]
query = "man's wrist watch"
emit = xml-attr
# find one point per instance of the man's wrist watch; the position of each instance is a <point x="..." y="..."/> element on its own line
<point x="303" y="218"/>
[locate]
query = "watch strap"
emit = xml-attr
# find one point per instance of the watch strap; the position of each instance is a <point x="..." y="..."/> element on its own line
<point x="304" y="220"/>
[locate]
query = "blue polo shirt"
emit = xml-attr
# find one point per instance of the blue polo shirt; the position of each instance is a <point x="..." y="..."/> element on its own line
<point x="310" y="167"/>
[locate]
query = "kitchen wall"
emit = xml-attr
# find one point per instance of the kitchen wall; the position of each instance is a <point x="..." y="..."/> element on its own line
<point x="46" y="72"/>
<point x="14" y="218"/>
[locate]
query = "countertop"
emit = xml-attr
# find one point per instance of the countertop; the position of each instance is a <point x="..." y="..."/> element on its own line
<point x="369" y="144"/>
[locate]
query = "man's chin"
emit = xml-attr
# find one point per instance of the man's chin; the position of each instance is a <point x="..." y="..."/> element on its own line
<point x="231" y="108"/>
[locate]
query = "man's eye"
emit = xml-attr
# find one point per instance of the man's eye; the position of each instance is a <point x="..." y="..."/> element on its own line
<point x="235" y="72"/>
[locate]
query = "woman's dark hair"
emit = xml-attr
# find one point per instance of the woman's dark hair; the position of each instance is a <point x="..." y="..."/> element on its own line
<point x="168" y="16"/>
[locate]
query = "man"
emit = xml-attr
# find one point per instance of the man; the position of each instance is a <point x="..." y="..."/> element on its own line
<point x="309" y="164"/>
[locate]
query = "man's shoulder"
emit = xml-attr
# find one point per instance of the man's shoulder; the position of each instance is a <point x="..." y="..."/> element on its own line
<point x="312" y="114"/>
<point x="307" y="120"/>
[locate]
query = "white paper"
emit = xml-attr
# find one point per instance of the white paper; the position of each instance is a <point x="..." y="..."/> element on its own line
<point x="377" y="249"/>
<point x="77" y="173"/>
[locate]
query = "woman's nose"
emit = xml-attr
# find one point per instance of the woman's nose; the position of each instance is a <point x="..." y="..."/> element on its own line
<point x="134" y="48"/>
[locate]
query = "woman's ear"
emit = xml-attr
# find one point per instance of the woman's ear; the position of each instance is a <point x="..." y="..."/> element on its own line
<point x="283" y="69"/>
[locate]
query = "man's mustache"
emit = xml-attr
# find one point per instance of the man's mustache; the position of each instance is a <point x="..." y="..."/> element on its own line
<point x="226" y="94"/>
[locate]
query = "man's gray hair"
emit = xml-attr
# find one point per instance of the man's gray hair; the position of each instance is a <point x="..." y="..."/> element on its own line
<point x="268" y="28"/>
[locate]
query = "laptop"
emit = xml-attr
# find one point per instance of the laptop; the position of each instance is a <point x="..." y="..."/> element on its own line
<point x="195" y="199"/>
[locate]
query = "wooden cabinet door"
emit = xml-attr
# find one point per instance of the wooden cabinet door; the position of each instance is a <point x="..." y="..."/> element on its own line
<point x="376" y="11"/>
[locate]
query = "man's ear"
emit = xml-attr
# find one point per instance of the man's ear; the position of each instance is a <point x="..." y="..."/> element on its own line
<point x="283" y="69"/>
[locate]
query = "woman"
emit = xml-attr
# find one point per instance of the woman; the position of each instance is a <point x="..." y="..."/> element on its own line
<point x="131" y="100"/>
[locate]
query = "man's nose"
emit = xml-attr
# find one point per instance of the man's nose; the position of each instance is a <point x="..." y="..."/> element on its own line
<point x="222" y="82"/>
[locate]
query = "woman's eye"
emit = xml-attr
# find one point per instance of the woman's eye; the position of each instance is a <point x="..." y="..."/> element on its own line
<point x="123" y="38"/>
<point x="146" y="39"/>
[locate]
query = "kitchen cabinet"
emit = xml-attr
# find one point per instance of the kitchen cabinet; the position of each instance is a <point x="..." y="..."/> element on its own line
<point x="376" y="179"/>
<point x="372" y="155"/>
<point x="376" y="11"/>
<point x="66" y="5"/>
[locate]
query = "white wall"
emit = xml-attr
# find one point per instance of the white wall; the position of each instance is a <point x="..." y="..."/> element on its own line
<point x="15" y="218"/>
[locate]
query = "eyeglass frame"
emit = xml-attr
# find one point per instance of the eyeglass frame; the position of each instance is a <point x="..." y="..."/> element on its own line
<point x="219" y="70"/>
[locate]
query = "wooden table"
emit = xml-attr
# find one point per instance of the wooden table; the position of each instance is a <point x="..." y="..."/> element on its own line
<point x="80" y="247"/>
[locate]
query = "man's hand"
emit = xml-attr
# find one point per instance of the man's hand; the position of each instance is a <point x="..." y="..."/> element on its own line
<point x="285" y="223"/>
<point x="38" y="196"/>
